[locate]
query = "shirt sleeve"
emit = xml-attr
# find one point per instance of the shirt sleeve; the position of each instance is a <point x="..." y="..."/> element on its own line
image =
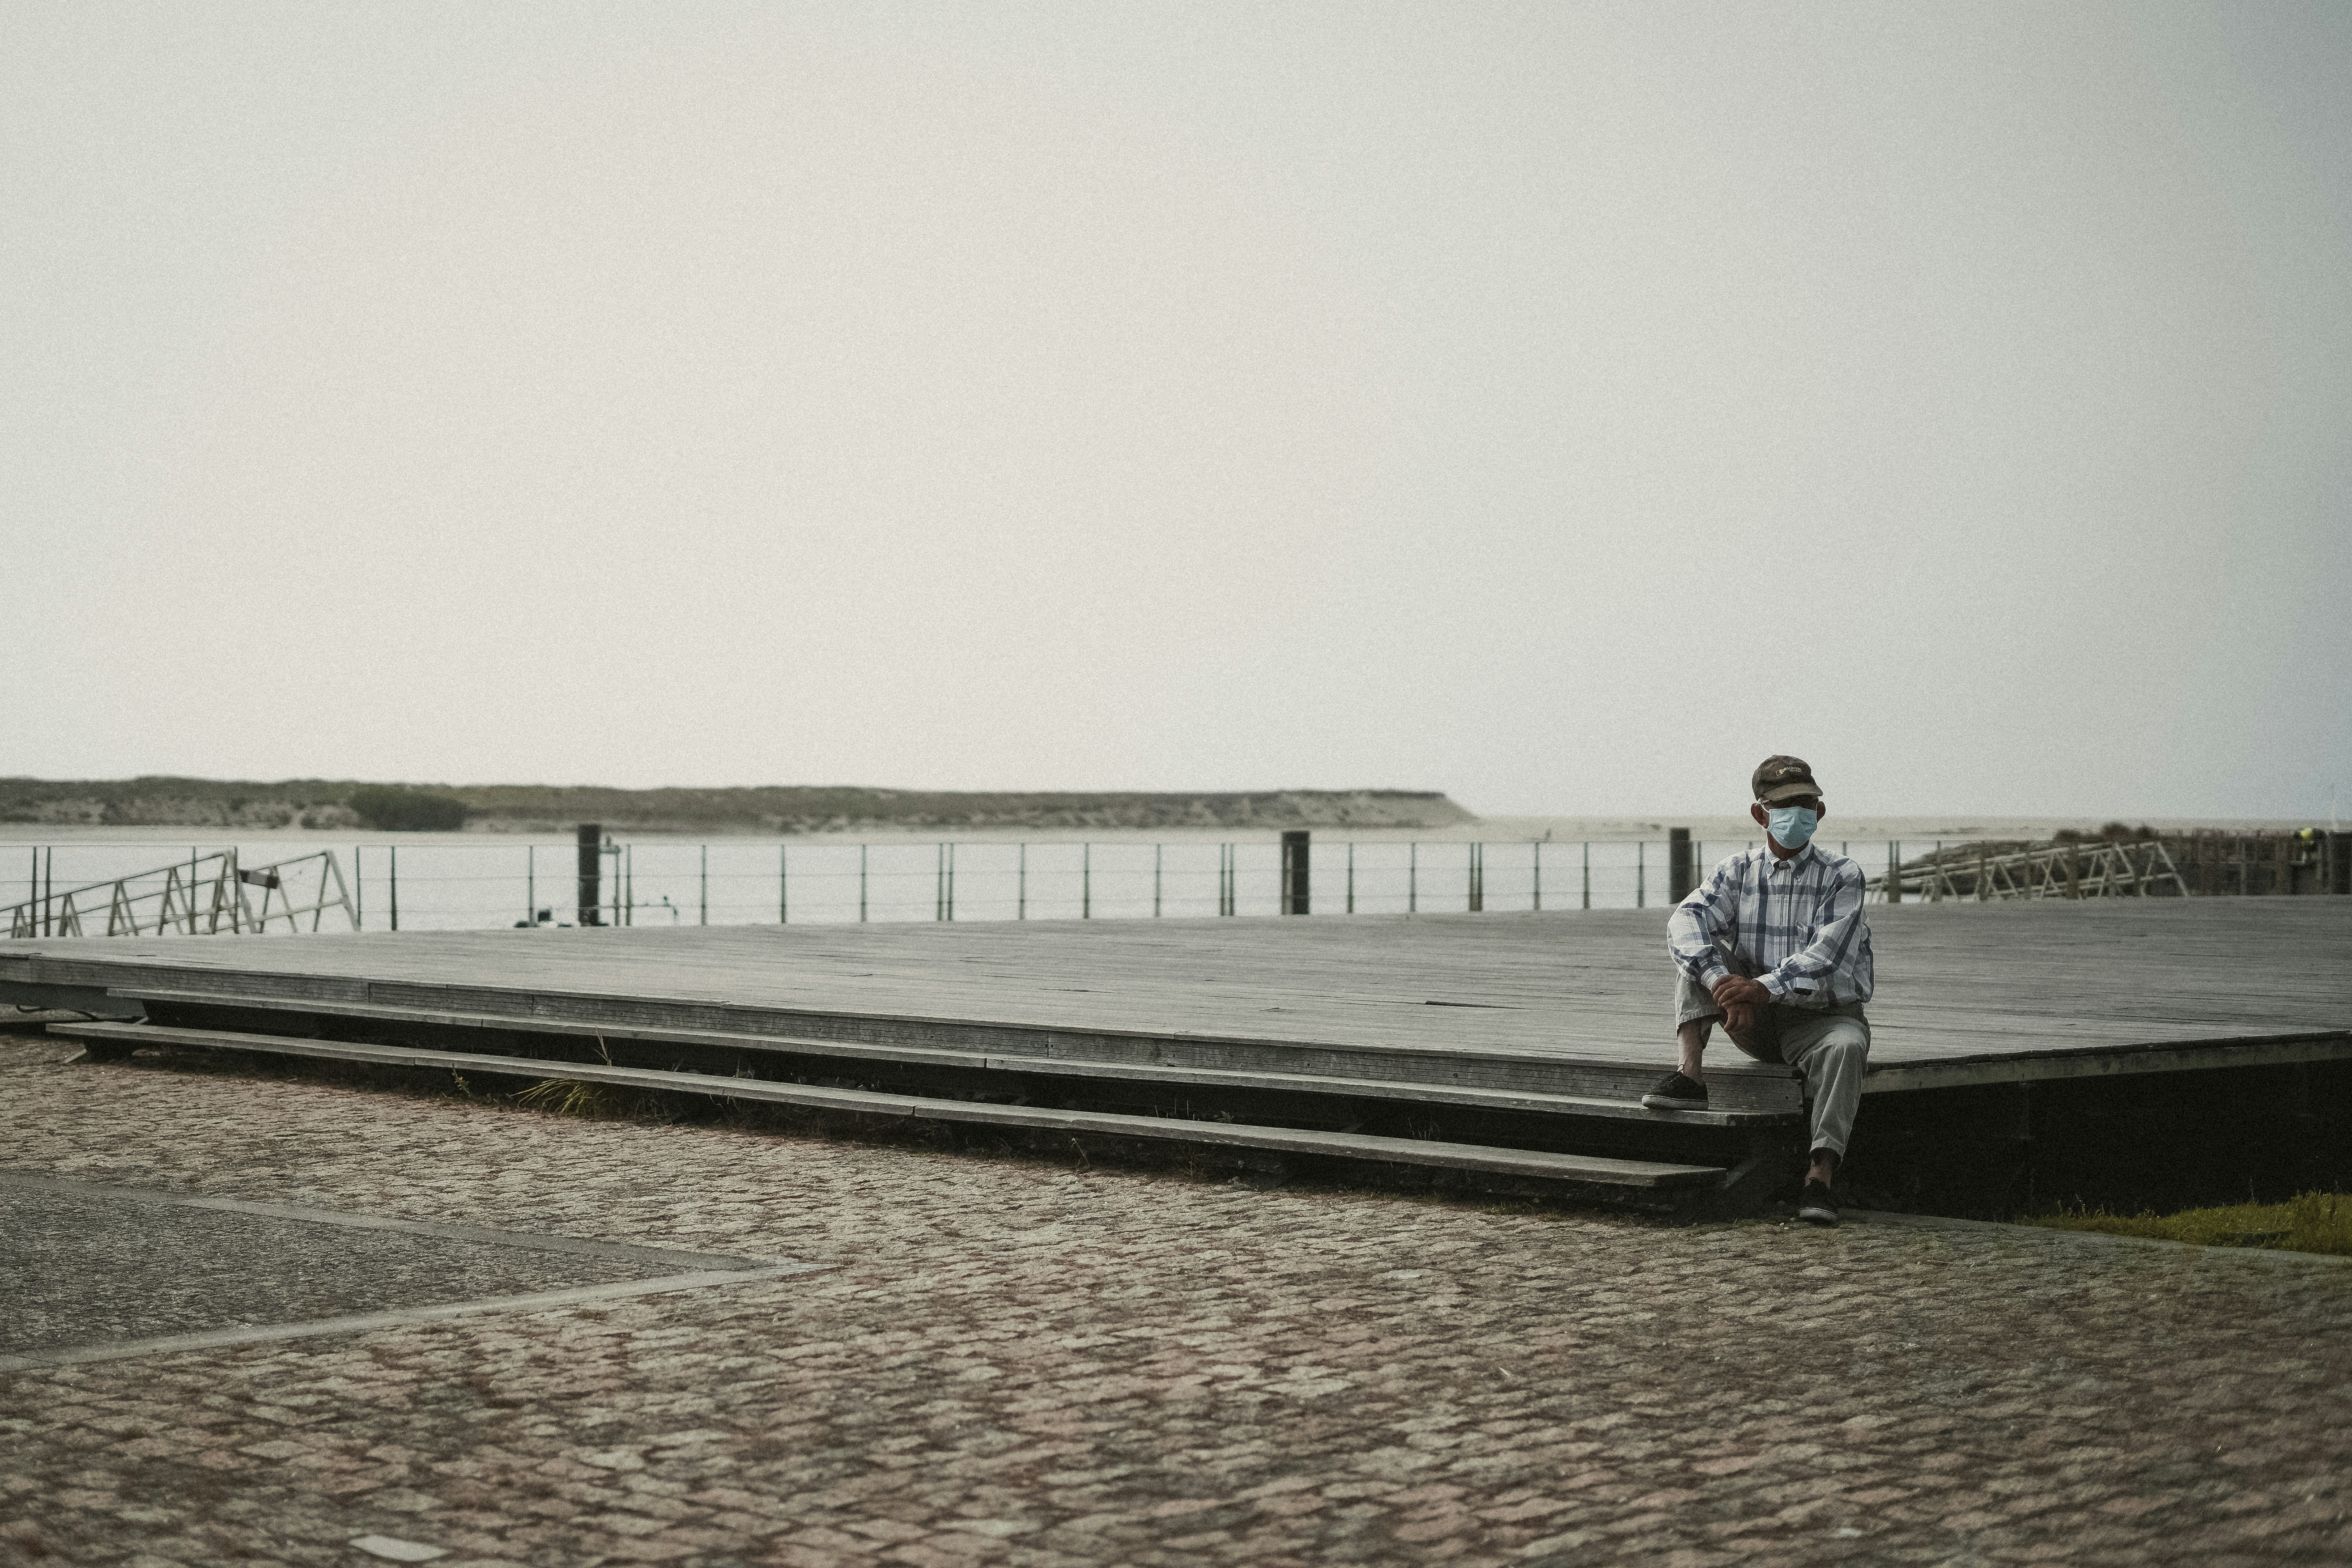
<point x="1695" y="931"/>
<point x="1802" y="973"/>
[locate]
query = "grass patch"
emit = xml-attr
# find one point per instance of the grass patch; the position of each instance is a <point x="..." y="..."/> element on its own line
<point x="571" y="1097"/>
<point x="2313" y="1222"/>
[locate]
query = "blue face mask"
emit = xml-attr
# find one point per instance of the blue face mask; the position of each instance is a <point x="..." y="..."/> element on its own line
<point x="1792" y="826"/>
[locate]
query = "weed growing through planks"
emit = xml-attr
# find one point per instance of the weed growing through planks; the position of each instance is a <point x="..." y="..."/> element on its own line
<point x="570" y="1097"/>
<point x="2313" y="1222"/>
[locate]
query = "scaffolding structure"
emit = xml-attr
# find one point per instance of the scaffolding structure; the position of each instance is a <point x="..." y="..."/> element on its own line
<point x="2057" y="871"/>
<point x="205" y="895"/>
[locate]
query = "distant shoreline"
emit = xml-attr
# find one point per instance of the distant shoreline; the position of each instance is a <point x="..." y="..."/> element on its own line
<point x="1716" y="836"/>
<point x="37" y="810"/>
<point x="776" y="811"/>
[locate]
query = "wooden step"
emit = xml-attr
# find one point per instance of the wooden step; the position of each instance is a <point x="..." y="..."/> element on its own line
<point x="1373" y="1042"/>
<point x="1587" y="1168"/>
<point x="1526" y="1101"/>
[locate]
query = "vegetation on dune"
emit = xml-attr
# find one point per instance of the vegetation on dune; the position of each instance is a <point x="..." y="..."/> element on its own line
<point x="156" y="800"/>
<point x="343" y="805"/>
<point x="2114" y="833"/>
<point x="389" y="808"/>
<point x="2313" y="1222"/>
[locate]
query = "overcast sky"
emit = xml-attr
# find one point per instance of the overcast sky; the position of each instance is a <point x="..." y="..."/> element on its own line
<point x="1560" y="406"/>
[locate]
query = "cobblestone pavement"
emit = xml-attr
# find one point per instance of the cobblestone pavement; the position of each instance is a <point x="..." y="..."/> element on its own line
<point x="1015" y="1361"/>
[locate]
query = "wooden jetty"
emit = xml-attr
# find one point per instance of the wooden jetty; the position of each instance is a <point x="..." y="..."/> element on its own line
<point x="1513" y="1044"/>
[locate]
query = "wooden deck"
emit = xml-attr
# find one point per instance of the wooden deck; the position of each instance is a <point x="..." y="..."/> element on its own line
<point x="1566" y="1004"/>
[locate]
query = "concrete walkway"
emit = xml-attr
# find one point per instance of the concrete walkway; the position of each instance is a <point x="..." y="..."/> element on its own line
<point x="1013" y="1362"/>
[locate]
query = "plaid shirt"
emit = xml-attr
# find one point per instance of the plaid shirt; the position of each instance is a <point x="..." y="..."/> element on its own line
<point x="1795" y="926"/>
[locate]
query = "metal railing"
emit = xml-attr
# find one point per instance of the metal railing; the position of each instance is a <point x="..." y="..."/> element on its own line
<point x="815" y="882"/>
<point x="480" y="883"/>
<point x="423" y="884"/>
<point x="205" y="895"/>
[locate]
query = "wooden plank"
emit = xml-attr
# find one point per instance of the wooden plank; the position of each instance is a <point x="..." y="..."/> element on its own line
<point x="1754" y="1087"/>
<point x="1295" y="1083"/>
<point x="2047" y="1066"/>
<point x="1497" y="1160"/>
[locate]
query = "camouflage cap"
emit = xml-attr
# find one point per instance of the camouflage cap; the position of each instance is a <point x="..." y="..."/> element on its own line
<point x="1784" y="778"/>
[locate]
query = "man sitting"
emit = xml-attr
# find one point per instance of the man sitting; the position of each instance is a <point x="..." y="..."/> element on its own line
<point x="1774" y="946"/>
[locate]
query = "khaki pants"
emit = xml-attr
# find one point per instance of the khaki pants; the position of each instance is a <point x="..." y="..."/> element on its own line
<point x="1831" y="1046"/>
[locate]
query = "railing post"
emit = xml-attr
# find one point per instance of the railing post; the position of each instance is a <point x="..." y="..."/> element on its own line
<point x="950" y="883"/>
<point x="1536" y="845"/>
<point x="529" y="884"/>
<point x="1640" y="873"/>
<point x="1478" y="879"/>
<point x="783" y="884"/>
<point x="589" y="840"/>
<point x="1588" y="873"/>
<point x="1294" y="850"/>
<point x="1155" y="880"/>
<point x="1894" y="870"/>
<point x="1413" y="879"/>
<point x="340" y="887"/>
<point x="1680" y="877"/>
<point x="1020" y="895"/>
<point x="1351" y="876"/>
<point x="861" y="884"/>
<point x="359" y="892"/>
<point x="395" y="853"/>
<point x="1086" y="881"/>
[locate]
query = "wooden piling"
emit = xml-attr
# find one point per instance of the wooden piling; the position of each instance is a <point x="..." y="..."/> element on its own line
<point x="592" y="874"/>
<point x="1681" y="877"/>
<point x="1295" y="897"/>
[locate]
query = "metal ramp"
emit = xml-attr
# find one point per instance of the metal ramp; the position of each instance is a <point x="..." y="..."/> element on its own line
<point x="205" y="895"/>
<point x="1983" y="873"/>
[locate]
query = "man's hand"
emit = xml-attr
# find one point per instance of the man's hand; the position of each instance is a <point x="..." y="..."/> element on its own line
<point x="1742" y="1001"/>
<point x="1731" y="991"/>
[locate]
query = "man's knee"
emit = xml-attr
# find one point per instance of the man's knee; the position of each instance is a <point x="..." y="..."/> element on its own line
<point x="1846" y="1045"/>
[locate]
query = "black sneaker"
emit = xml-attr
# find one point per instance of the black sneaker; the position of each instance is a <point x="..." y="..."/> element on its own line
<point x="1675" y="1093"/>
<point x="1819" y="1205"/>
